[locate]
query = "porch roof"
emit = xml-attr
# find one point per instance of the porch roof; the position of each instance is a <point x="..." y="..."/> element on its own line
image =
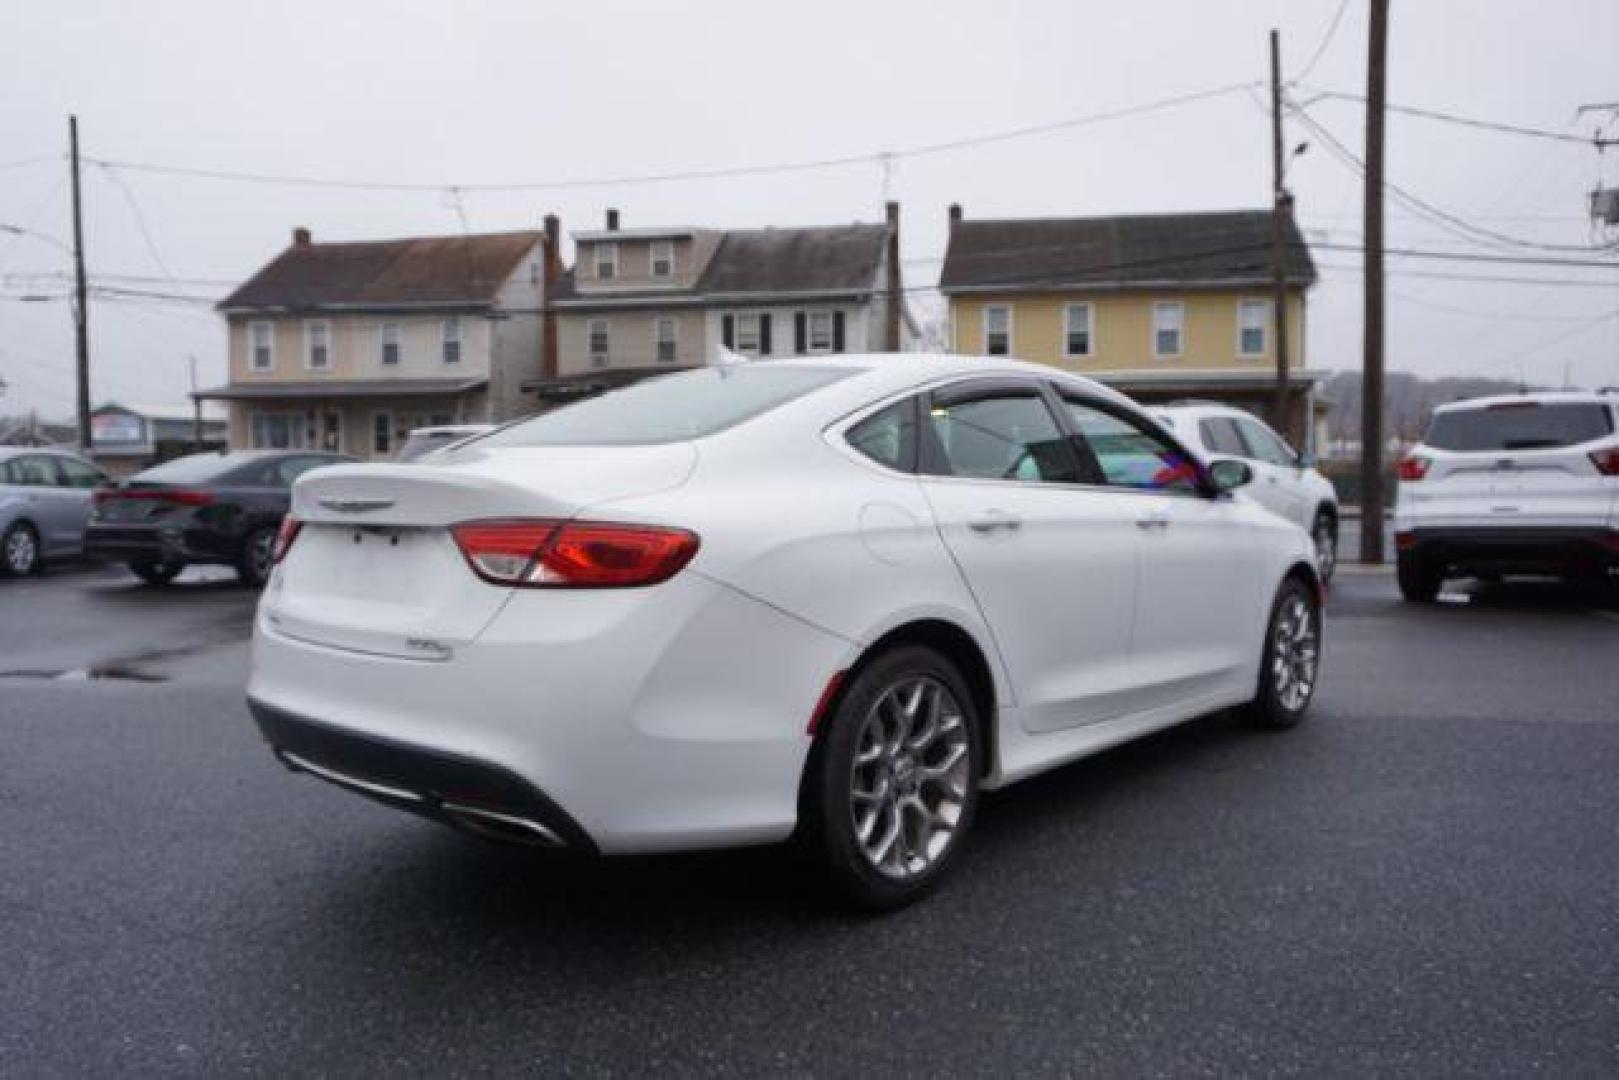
<point x="347" y="388"/>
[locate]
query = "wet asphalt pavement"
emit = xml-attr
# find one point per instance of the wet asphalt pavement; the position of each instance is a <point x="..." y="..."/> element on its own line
<point x="1421" y="880"/>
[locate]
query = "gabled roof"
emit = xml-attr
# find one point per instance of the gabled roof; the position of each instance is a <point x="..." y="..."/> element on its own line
<point x="1205" y="249"/>
<point x="422" y="271"/>
<point x="839" y="260"/>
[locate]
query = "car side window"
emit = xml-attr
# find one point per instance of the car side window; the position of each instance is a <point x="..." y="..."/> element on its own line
<point x="1220" y="436"/>
<point x="1129" y="455"/>
<point x="32" y="471"/>
<point x="1263" y="444"/>
<point x="888" y="437"/>
<point x="76" y="474"/>
<point x="1003" y="435"/>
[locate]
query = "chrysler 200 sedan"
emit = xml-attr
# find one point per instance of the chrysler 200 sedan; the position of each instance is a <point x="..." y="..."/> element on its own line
<point x="832" y="599"/>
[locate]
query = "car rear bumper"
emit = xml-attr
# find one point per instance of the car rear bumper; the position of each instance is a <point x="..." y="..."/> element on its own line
<point x="621" y="720"/>
<point x="1549" y="548"/>
<point x="150" y="544"/>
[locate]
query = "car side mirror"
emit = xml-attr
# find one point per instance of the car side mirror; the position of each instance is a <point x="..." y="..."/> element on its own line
<point x="1228" y="474"/>
<point x="1306" y="460"/>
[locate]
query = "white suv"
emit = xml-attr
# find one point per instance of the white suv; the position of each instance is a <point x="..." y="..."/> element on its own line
<point x="1285" y="481"/>
<point x="1525" y="482"/>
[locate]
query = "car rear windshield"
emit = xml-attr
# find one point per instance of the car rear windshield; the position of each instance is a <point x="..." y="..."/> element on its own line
<point x="670" y="408"/>
<point x="1519" y="425"/>
<point x="192" y="469"/>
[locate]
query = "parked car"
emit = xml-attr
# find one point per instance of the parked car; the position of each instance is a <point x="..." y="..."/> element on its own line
<point x="423" y="441"/>
<point x="44" y="504"/>
<point x="1286" y="481"/>
<point x="1511" y="484"/>
<point x="832" y="597"/>
<point x="218" y="508"/>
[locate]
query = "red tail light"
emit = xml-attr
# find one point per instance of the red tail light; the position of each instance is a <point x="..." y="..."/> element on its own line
<point x="177" y="496"/>
<point x="1414" y="467"/>
<point x="284" y="536"/>
<point x="579" y="555"/>
<point x="1606" y="461"/>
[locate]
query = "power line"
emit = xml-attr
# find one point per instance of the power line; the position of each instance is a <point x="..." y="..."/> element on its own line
<point x="140" y="221"/>
<point x="1483" y="279"/>
<point x="869" y="158"/>
<point x="24" y="162"/>
<point x="1451" y="222"/>
<point x="1467" y="121"/>
<point x="1326" y="39"/>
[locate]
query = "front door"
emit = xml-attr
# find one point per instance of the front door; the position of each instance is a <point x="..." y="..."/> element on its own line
<point x="331" y="430"/>
<point x="1051" y="562"/>
<point x="1199" y="577"/>
<point x="1278" y="480"/>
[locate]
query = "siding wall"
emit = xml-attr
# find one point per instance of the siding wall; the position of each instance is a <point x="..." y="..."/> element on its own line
<point x="635" y="264"/>
<point x="1122" y="330"/>
<point x="630" y="342"/>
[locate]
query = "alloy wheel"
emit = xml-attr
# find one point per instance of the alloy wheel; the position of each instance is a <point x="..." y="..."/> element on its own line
<point x="1295" y="650"/>
<point x="910" y="780"/>
<point x="22" y="551"/>
<point x="261" y="553"/>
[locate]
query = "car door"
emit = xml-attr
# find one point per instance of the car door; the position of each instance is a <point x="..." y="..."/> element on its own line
<point x="1050" y="559"/>
<point x="78" y="481"/>
<point x="1199" y="578"/>
<point x="1279" y="483"/>
<point x="47" y="502"/>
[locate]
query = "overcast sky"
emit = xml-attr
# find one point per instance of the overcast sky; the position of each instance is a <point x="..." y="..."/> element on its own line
<point x="470" y="93"/>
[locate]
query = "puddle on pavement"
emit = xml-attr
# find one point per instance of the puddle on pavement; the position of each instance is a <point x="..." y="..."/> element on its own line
<point x="113" y="672"/>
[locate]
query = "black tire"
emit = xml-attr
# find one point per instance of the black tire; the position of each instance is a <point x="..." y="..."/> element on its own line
<point x="19" y="551"/>
<point x="1324" y="533"/>
<point x="833" y="782"/>
<point x="1283" y="666"/>
<point x="256" y="559"/>
<point x="1419" y="580"/>
<point x="155" y="573"/>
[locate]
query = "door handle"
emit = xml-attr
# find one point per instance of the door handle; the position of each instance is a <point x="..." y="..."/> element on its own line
<point x="1153" y="519"/>
<point x="990" y="520"/>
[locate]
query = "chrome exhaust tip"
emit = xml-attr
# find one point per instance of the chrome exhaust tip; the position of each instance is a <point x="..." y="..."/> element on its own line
<point x="498" y="826"/>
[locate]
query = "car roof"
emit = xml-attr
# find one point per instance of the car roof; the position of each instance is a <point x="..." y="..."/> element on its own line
<point x="878" y="373"/>
<point x="1539" y="396"/>
<point x="8" y="452"/>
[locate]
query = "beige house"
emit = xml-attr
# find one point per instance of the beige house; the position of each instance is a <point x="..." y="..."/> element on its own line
<point x="640" y="301"/>
<point x="349" y="346"/>
<point x="1160" y="306"/>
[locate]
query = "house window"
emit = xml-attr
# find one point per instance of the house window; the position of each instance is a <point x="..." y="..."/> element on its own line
<point x="1253" y="325"/>
<point x="1168" y="328"/>
<point x="261" y="336"/>
<point x="318" y="336"/>
<point x="1077" y="334"/>
<point x="820" y="332"/>
<point x="382" y="432"/>
<point x="599" y="342"/>
<point x="998" y="331"/>
<point x="606" y="261"/>
<point x="390" y="343"/>
<point x="452" y="340"/>
<point x="663" y="259"/>
<point x="663" y="332"/>
<point x="279" y="431"/>
<point x="748" y="335"/>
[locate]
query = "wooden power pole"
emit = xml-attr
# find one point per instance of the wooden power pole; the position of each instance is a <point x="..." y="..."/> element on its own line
<point x="1280" y="206"/>
<point x="81" y="305"/>
<point x="1371" y="394"/>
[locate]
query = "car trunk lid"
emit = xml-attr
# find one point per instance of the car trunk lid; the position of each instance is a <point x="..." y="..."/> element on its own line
<point x="375" y="568"/>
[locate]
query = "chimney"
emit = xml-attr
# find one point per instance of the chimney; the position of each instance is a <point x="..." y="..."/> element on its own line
<point x="300" y="237"/>
<point x="896" y="298"/>
<point x="552" y="274"/>
<point x="955" y="213"/>
<point x="612" y="219"/>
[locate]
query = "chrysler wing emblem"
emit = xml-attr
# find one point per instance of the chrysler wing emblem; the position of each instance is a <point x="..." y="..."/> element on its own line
<point x="356" y="506"/>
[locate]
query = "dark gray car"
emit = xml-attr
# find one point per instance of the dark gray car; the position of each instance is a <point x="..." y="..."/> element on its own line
<point x="44" y="505"/>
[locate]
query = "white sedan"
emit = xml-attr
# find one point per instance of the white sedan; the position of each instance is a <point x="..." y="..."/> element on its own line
<point x="831" y="598"/>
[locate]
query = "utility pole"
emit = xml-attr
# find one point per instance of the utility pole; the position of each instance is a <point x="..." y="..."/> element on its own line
<point x="1281" y="205"/>
<point x="196" y="406"/>
<point x="1371" y="393"/>
<point x="81" y="305"/>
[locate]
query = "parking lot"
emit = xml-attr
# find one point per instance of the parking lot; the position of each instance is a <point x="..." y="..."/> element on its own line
<point x="1422" y="879"/>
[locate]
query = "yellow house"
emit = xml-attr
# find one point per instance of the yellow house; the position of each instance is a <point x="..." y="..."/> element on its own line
<point x="1161" y="306"/>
